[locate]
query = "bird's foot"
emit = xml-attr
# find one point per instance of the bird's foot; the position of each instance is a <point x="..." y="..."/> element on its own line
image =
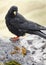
<point x="14" y="39"/>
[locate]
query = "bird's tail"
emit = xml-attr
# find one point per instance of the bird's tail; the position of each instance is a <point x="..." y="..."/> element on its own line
<point x="42" y="28"/>
<point x="40" y="34"/>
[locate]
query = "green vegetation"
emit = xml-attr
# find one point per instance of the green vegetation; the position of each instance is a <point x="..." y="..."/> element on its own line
<point x="12" y="62"/>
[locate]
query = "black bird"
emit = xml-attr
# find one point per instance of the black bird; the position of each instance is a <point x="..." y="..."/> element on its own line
<point x="18" y="25"/>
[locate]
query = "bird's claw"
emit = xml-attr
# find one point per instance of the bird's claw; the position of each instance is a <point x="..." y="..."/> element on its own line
<point x="14" y="39"/>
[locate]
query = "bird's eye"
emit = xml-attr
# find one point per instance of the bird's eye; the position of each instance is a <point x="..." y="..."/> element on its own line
<point x="14" y="12"/>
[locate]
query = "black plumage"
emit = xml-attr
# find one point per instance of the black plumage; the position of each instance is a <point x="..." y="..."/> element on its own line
<point x="18" y="25"/>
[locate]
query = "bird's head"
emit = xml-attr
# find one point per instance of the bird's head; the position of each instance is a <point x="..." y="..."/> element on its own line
<point x="13" y="11"/>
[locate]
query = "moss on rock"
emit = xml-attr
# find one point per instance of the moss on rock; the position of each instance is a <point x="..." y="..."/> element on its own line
<point x="12" y="62"/>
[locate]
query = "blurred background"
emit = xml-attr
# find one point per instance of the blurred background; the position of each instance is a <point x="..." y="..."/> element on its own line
<point x="34" y="10"/>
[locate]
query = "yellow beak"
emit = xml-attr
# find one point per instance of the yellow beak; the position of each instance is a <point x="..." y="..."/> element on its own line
<point x="14" y="12"/>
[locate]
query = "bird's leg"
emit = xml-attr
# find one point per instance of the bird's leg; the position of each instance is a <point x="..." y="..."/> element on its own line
<point x="14" y="39"/>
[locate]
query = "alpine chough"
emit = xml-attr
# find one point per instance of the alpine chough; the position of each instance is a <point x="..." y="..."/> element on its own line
<point x="18" y="25"/>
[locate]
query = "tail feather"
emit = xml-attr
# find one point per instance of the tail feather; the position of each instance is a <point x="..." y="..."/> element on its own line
<point x="42" y="27"/>
<point x="40" y="34"/>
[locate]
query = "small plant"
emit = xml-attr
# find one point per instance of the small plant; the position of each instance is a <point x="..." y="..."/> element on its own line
<point x="12" y="62"/>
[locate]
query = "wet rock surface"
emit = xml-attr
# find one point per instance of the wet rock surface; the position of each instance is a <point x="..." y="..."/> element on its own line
<point x="27" y="51"/>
